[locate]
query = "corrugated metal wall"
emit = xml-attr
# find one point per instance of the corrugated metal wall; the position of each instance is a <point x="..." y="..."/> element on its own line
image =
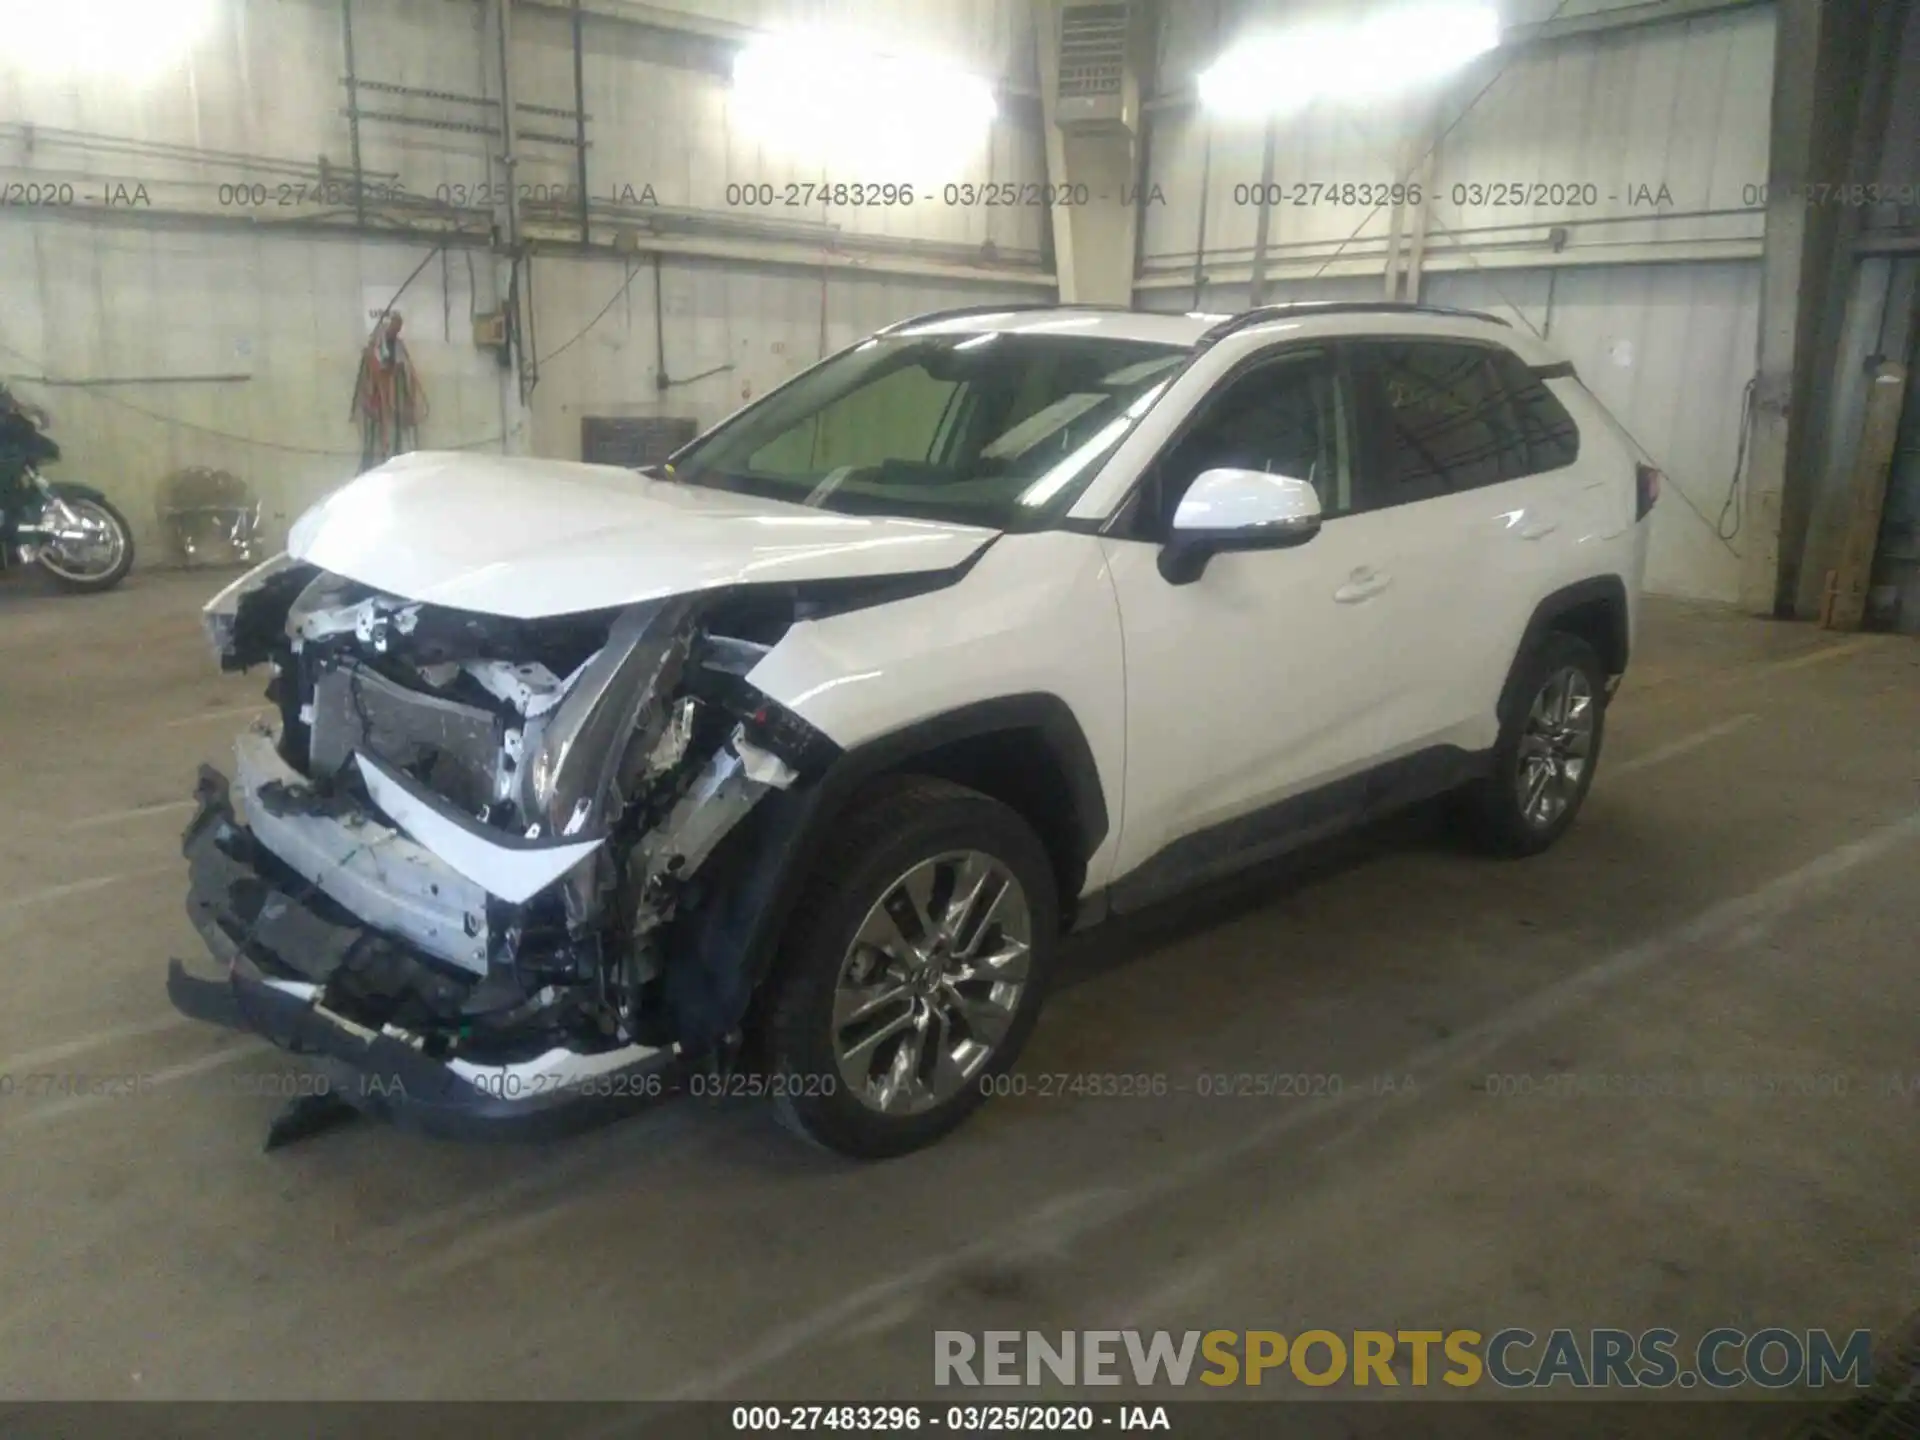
<point x="1630" y="142"/>
<point x="1642" y="265"/>
<point x="140" y="312"/>
<point x="660" y="120"/>
<point x="214" y="262"/>
<point x="230" y="287"/>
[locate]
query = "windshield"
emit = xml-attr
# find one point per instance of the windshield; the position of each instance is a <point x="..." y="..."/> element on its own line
<point x="994" y="429"/>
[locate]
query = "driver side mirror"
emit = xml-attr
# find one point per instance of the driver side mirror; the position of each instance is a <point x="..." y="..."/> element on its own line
<point x="1236" y="510"/>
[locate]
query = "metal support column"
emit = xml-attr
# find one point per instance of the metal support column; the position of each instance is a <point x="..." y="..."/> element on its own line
<point x="1783" y="272"/>
<point x="580" y="123"/>
<point x="1263" y="223"/>
<point x="1412" y="220"/>
<point x="1858" y="64"/>
<point x="508" y="158"/>
<point x="520" y="261"/>
<point x="353" y="112"/>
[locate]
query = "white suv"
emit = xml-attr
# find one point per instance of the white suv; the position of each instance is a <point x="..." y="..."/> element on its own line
<point x="786" y="765"/>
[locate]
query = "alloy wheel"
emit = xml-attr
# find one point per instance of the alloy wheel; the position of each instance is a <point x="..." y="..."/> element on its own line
<point x="932" y="982"/>
<point x="1556" y="747"/>
<point x="89" y="545"/>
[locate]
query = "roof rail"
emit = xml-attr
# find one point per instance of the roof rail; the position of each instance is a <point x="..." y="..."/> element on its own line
<point x="961" y="312"/>
<point x="1337" y="307"/>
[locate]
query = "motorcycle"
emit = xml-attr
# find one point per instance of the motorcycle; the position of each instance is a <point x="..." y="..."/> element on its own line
<point x="70" y="531"/>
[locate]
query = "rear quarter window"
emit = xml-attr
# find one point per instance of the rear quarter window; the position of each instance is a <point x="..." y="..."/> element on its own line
<point x="1551" y="439"/>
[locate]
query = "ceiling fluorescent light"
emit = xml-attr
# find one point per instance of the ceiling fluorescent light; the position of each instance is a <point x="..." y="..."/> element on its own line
<point x="123" y="39"/>
<point x="1390" y="52"/>
<point x="826" y="98"/>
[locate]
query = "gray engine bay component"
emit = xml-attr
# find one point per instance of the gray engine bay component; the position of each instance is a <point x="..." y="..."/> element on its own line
<point x="671" y="748"/>
<point x="357" y="708"/>
<point x="580" y="748"/>
<point x="731" y="784"/>
<point x="532" y="688"/>
<point x="377" y="873"/>
<point x="731" y="656"/>
<point x="325" y="608"/>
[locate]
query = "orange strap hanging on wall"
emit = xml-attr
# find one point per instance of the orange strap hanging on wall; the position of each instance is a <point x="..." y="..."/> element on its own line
<point x="388" y="399"/>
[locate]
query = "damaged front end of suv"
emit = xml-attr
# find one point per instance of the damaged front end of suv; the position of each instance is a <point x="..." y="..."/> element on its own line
<point x="458" y="872"/>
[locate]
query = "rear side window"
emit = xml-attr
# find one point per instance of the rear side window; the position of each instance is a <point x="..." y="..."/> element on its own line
<point x="1552" y="439"/>
<point x="1441" y="421"/>
<point x="1449" y="416"/>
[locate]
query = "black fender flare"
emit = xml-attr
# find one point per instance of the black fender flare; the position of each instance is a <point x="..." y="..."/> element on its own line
<point x="723" y="946"/>
<point x="1609" y="590"/>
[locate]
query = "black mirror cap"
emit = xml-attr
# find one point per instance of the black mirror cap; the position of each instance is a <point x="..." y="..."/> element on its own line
<point x="1183" y="558"/>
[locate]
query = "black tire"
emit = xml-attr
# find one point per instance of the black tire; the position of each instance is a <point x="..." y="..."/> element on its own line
<point x="93" y="585"/>
<point x="888" y="829"/>
<point x="1491" y="809"/>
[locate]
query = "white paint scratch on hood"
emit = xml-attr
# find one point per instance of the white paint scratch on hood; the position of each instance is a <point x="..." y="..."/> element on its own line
<point x="528" y="538"/>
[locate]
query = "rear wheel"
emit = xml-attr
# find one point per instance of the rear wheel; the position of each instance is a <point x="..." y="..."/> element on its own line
<point x="913" y="972"/>
<point x="93" y="548"/>
<point x="1544" y="761"/>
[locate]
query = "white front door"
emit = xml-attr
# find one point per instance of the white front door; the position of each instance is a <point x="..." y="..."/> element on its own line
<point x="1266" y="676"/>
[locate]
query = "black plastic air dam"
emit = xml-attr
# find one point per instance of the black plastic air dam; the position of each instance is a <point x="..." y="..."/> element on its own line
<point x="373" y="1072"/>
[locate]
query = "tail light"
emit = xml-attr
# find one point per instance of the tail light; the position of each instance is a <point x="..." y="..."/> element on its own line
<point x="1646" y="489"/>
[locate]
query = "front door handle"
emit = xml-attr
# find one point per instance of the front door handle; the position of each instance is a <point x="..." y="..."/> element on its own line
<point x="1363" y="584"/>
<point x="1539" y="529"/>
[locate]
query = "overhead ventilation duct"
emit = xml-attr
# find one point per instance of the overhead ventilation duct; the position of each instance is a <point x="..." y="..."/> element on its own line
<point x="1098" y="89"/>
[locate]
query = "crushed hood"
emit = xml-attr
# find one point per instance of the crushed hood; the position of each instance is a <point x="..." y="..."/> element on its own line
<point x="529" y="538"/>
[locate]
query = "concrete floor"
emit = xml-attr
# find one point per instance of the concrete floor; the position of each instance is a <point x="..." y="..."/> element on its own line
<point x="1737" y="900"/>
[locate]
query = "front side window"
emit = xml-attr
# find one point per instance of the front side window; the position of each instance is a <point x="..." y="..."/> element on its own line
<point x="997" y="429"/>
<point x="1281" y="417"/>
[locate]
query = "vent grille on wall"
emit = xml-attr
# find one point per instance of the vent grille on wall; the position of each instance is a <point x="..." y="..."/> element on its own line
<point x="633" y="440"/>
<point x="1092" y="73"/>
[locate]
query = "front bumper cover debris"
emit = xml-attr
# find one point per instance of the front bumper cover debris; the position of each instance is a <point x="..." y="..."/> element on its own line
<point x="276" y="946"/>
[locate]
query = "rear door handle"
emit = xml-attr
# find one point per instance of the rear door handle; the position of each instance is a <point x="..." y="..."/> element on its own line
<point x="1539" y="529"/>
<point x="1363" y="584"/>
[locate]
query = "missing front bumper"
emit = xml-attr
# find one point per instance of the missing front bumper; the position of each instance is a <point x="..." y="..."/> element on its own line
<point x="276" y="943"/>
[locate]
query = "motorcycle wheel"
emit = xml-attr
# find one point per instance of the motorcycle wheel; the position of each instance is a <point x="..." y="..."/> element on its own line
<point x="98" y="562"/>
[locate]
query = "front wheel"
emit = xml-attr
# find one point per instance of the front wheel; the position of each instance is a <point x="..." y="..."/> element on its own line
<point x="913" y="972"/>
<point x="91" y="549"/>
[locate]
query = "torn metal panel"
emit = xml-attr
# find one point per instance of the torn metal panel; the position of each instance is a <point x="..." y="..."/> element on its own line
<point x="675" y="738"/>
<point x="763" y="766"/>
<point x="383" y="878"/>
<point x="245" y="621"/>
<point x="530" y="688"/>
<point x="508" y="866"/>
<point x="732" y="783"/>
